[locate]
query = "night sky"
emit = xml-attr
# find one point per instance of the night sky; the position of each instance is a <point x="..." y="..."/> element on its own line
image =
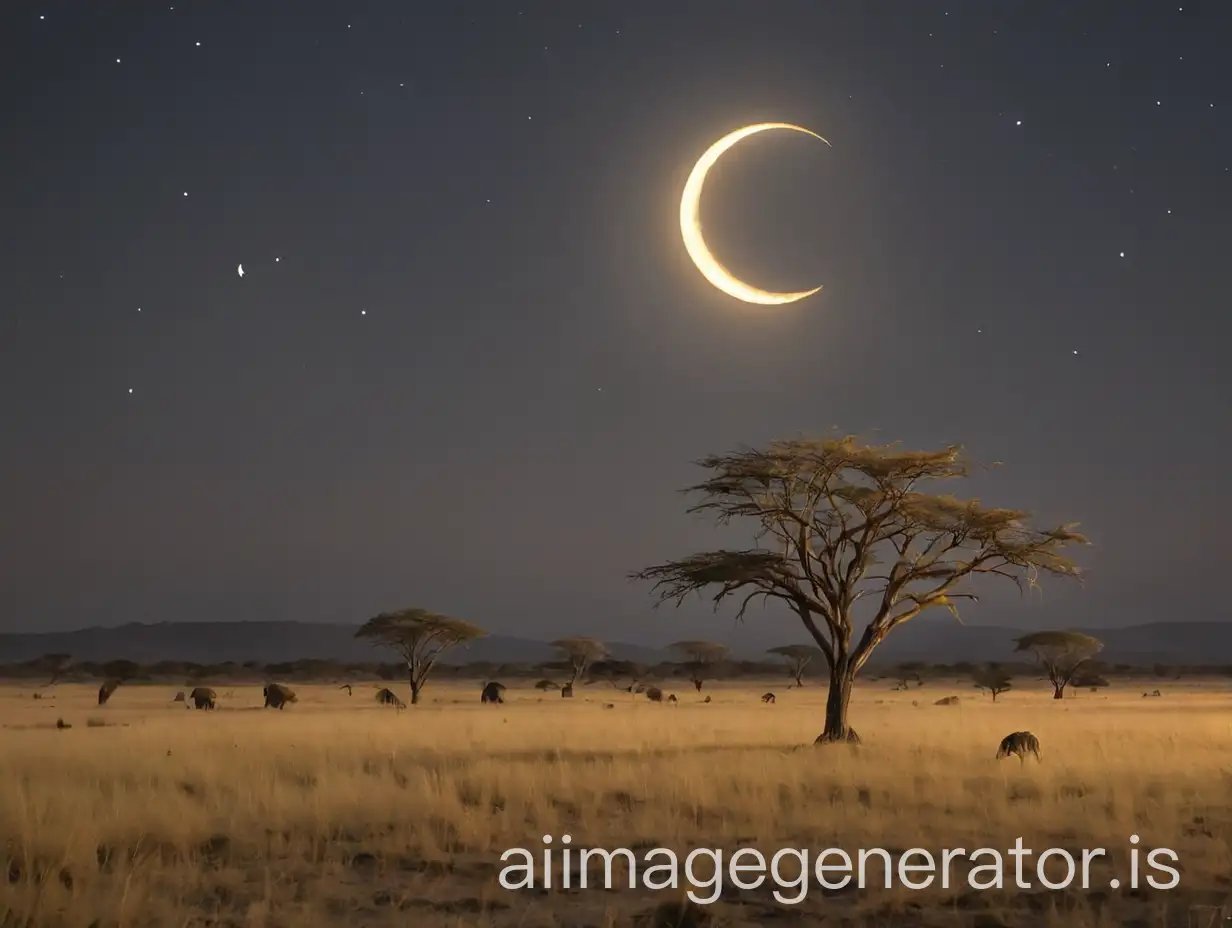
<point x="469" y="362"/>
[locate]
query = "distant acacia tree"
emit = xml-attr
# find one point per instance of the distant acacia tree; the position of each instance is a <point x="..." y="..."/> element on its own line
<point x="1060" y="654"/>
<point x="703" y="658"/>
<point x="617" y="672"/>
<point x="420" y="637"/>
<point x="993" y="680"/>
<point x="581" y="653"/>
<point x="798" y="657"/>
<point x="838" y="522"/>
<point x="54" y="665"/>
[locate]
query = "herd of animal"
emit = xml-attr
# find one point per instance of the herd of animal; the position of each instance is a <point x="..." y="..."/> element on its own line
<point x="1020" y="744"/>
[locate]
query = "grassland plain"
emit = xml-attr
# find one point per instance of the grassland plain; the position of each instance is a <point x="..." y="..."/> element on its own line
<point x="338" y="811"/>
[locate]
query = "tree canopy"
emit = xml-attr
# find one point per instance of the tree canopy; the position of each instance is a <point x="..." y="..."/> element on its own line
<point x="798" y="657"/>
<point x="1060" y="653"/>
<point x="838" y="523"/>
<point x="419" y="636"/>
<point x="992" y="679"/>
<point x="581" y="653"/>
<point x="703" y="657"/>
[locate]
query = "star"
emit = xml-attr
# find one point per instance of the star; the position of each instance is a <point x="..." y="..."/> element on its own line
<point x="130" y="389"/>
<point x="241" y="270"/>
<point x="363" y="312"/>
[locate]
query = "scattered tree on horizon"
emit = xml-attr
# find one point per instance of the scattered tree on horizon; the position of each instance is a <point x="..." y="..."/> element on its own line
<point x="581" y="653"/>
<point x="843" y="522"/>
<point x="420" y="637"/>
<point x="1060" y="654"/>
<point x="992" y="679"/>
<point x="798" y="657"/>
<point x="614" y="671"/>
<point x="54" y="665"/>
<point x="703" y="658"/>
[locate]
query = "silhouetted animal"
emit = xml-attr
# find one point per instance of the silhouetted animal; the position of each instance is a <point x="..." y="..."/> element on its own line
<point x="387" y="697"/>
<point x="277" y="695"/>
<point x="60" y="723"/>
<point x="38" y="695"/>
<point x="203" y="697"/>
<point x="1020" y="743"/>
<point x="947" y="701"/>
<point x="1151" y="694"/>
<point x="492" y="693"/>
<point x="566" y="691"/>
<point x="609" y="705"/>
<point x="707" y="699"/>
<point x="654" y="694"/>
<point x="179" y="697"/>
<point x="105" y="691"/>
<point x="672" y="699"/>
<point x="767" y="697"/>
<point x="347" y="687"/>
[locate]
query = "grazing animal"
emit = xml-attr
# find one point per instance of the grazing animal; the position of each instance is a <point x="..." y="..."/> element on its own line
<point x="947" y="701"/>
<point x="1151" y="694"/>
<point x="609" y="705"/>
<point x="1020" y="743"/>
<point x="60" y="723"/>
<point x="179" y="697"/>
<point x="105" y="691"/>
<point x="707" y="699"/>
<point x="203" y="697"/>
<point x="38" y="695"/>
<point x="387" y="697"/>
<point x="277" y="695"/>
<point x="672" y="699"/>
<point x="654" y="694"/>
<point x="492" y="693"/>
<point x="347" y="687"/>
<point x="767" y="697"/>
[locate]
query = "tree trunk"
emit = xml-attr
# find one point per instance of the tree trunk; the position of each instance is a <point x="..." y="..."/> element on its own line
<point x="416" y="686"/>
<point x="1058" y="690"/>
<point x="842" y="679"/>
<point x="799" y="675"/>
<point x="698" y="683"/>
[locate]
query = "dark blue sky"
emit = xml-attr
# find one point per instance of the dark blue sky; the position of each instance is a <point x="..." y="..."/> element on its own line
<point x="470" y="362"/>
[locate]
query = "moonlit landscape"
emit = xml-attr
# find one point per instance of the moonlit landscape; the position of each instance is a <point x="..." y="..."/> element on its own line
<point x="630" y="466"/>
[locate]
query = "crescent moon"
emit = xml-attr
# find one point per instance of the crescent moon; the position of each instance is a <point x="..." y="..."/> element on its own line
<point x="691" y="225"/>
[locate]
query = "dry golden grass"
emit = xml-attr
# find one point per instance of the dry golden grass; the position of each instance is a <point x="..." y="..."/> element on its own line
<point x="337" y="811"/>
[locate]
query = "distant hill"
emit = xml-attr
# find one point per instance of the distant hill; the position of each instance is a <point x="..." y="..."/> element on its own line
<point x="931" y="640"/>
<point x="267" y="642"/>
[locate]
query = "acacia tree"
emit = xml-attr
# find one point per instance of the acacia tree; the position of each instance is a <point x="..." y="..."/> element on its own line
<point x="703" y="657"/>
<point x="1060" y="654"/>
<point x="798" y="657"/>
<point x="54" y="665"/>
<point x="614" y="671"/>
<point x="992" y="679"/>
<point x="841" y="524"/>
<point x="581" y="653"/>
<point x="420" y="637"/>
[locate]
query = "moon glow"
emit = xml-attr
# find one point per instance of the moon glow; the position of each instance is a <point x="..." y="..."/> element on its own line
<point x="691" y="225"/>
